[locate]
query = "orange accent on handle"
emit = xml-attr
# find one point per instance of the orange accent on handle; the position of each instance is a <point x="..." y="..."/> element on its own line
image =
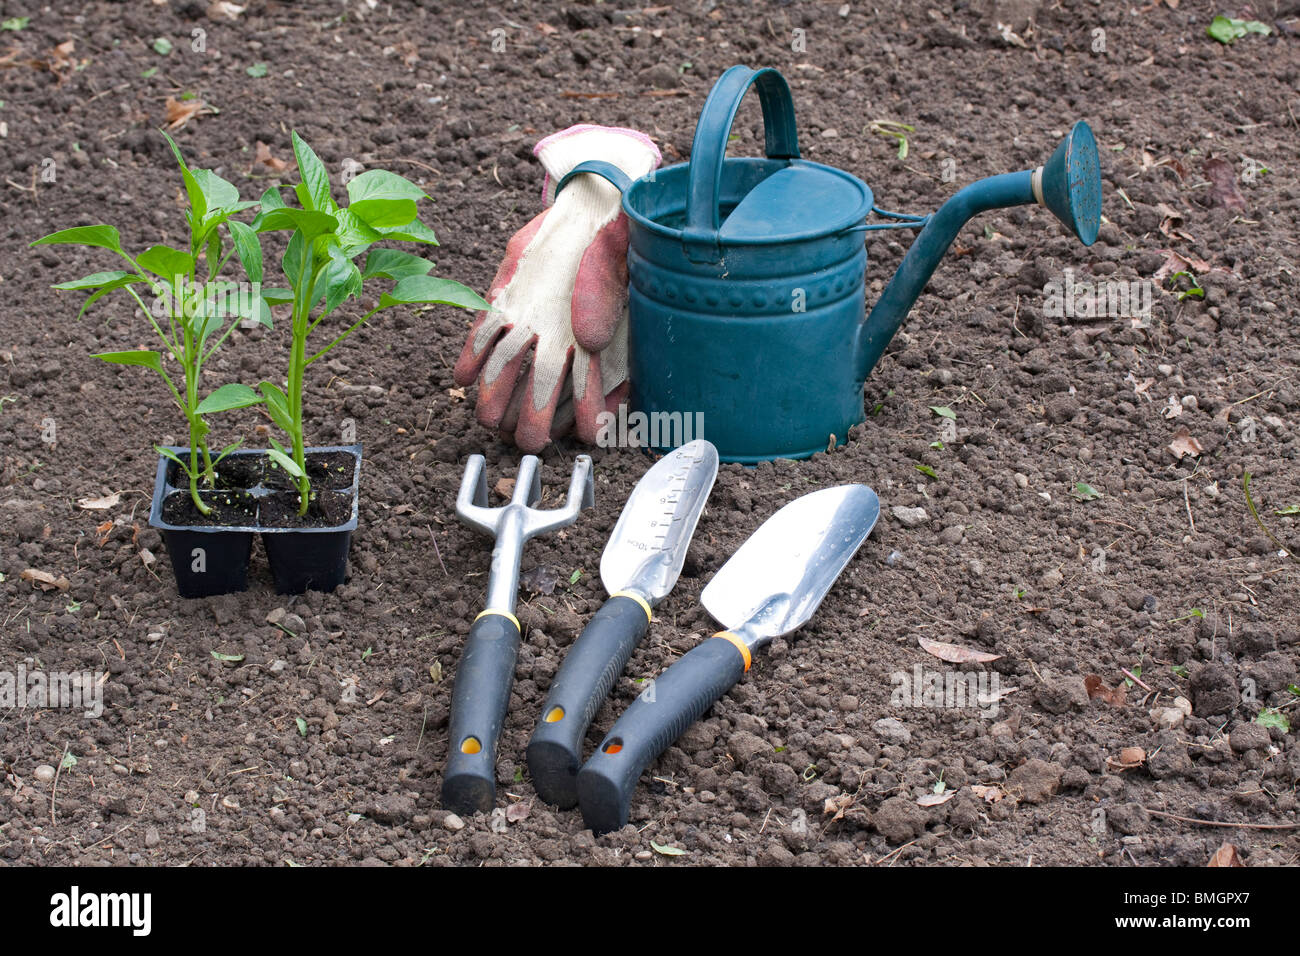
<point x="738" y="644"/>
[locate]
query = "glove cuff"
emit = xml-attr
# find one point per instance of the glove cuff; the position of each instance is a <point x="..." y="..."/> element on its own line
<point x="630" y="150"/>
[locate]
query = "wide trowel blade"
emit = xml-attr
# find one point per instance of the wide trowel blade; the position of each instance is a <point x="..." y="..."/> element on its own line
<point x="779" y="576"/>
<point x="648" y="547"/>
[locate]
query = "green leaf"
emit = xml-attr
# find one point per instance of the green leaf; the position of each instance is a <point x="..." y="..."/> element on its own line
<point x="431" y="289"/>
<point x="97" y="280"/>
<point x="145" y="357"/>
<point x="394" y="264"/>
<point x="227" y="397"/>
<point x="1226" y="29"/>
<point x="68" y="761"/>
<point x="383" y="199"/>
<point x="310" y="223"/>
<point x="1180" y="670"/>
<point x="1288" y="510"/>
<point x="1085" y="492"/>
<point x="104" y="237"/>
<point x="15" y="23"/>
<point x="277" y="406"/>
<point x="926" y="470"/>
<point x="413" y="231"/>
<point x="385" y="212"/>
<point x="172" y="457"/>
<point x="339" y="281"/>
<point x="1272" y="717"/>
<point x="248" y="247"/>
<point x="302" y="726"/>
<point x="292" y="261"/>
<point x="162" y="46"/>
<point x="149" y="72"/>
<point x="355" y="236"/>
<point x="277" y="296"/>
<point x="313" y="173"/>
<point x="228" y="658"/>
<point x="271" y="199"/>
<point x="219" y="193"/>
<point x="166" y="262"/>
<point x="105" y="289"/>
<point x="667" y="850"/>
<point x="285" y="462"/>
<point x="944" y="411"/>
<point x="573" y="578"/>
<point x="257" y="70"/>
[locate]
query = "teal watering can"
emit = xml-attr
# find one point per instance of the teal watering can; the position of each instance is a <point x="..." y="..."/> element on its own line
<point x="747" y="277"/>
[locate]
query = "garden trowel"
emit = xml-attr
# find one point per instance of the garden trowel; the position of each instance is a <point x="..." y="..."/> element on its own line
<point x="769" y="587"/>
<point x="639" y="568"/>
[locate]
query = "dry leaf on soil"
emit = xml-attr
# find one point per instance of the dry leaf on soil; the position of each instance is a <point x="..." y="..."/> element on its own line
<point x="100" y="504"/>
<point x="44" y="580"/>
<point x="837" y="805"/>
<point x="505" y="487"/>
<point x="1097" y="688"/>
<point x="934" y="799"/>
<point x="1179" y="262"/>
<point x="518" y="811"/>
<point x="224" y="10"/>
<point x="264" y="158"/>
<point x="1223" y="184"/>
<point x="1128" y="758"/>
<point x="179" y="113"/>
<point x="1184" y="444"/>
<point x="987" y="794"/>
<point x="1226" y="855"/>
<point x="954" y="653"/>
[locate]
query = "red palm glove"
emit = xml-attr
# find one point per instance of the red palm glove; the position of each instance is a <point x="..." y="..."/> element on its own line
<point x="554" y="354"/>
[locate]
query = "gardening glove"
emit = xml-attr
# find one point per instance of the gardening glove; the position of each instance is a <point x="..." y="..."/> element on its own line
<point x="554" y="353"/>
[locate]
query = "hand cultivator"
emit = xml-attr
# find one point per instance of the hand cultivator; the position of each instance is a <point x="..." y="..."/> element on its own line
<point x="487" y="666"/>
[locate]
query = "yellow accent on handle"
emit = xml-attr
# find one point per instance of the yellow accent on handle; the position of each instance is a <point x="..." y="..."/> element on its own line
<point x="506" y="614"/>
<point x="639" y="600"/>
<point x="738" y="644"/>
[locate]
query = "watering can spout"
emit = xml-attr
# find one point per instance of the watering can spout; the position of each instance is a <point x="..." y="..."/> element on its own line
<point x="1069" y="185"/>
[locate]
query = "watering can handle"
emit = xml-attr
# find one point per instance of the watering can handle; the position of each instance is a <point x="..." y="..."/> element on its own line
<point x="709" y="148"/>
<point x="601" y="168"/>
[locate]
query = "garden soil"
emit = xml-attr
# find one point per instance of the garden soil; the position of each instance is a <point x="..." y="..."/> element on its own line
<point x="1060" y="531"/>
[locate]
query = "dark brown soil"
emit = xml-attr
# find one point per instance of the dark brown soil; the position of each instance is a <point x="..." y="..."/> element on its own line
<point x="232" y="508"/>
<point x="240" y="471"/>
<point x="324" y="743"/>
<point x="324" y="469"/>
<point x="326" y="508"/>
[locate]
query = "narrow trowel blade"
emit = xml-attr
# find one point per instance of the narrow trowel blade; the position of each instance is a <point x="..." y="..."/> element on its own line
<point x="648" y="546"/>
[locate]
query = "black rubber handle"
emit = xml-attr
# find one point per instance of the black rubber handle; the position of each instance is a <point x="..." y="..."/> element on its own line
<point x="478" y="709"/>
<point x="584" y="680"/>
<point x="654" y="720"/>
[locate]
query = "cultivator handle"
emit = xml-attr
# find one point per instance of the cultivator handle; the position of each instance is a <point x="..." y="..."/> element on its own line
<point x="478" y="710"/>
<point x="677" y="699"/>
<point x="584" y="681"/>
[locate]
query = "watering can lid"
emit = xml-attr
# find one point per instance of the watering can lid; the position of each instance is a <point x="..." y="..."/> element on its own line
<point x="801" y="200"/>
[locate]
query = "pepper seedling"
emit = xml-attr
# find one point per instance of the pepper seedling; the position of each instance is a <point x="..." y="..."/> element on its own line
<point x="195" y="313"/>
<point x="319" y="265"/>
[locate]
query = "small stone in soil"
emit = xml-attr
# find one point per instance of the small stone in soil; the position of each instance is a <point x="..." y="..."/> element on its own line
<point x="453" y="823"/>
<point x="892" y="731"/>
<point x="44" y="773"/>
<point x="909" y="517"/>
